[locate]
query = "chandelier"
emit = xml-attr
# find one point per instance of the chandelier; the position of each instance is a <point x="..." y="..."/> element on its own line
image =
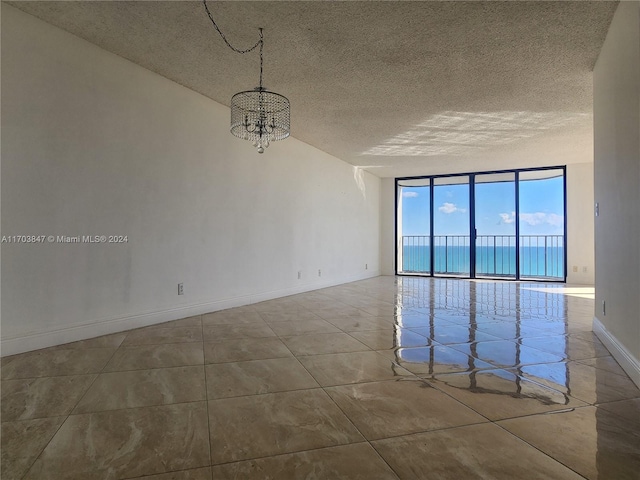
<point x="257" y="115"/>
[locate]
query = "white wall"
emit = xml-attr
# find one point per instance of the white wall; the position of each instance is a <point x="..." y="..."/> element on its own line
<point x="580" y="215"/>
<point x="95" y="145"/>
<point x="387" y="226"/>
<point x="617" y="188"/>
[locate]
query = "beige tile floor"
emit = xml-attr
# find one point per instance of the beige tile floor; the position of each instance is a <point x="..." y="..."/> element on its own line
<point x="386" y="378"/>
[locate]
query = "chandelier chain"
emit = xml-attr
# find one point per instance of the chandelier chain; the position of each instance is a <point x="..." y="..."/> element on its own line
<point x="259" y="43"/>
<point x="237" y="50"/>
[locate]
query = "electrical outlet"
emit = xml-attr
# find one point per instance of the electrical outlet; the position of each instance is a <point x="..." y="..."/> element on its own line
<point x="299" y="274"/>
<point x="319" y="272"/>
<point x="584" y="269"/>
<point x="575" y="269"/>
<point x="366" y="266"/>
<point x="181" y="289"/>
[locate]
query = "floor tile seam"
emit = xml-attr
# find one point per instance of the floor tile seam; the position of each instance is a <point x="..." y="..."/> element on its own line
<point x="49" y="376"/>
<point x="272" y="331"/>
<point x="249" y="360"/>
<point x="427" y="432"/>
<point x="309" y="373"/>
<point x="55" y="348"/>
<point x="358" y="340"/>
<point x="435" y="385"/>
<point x="225" y="340"/>
<point x="538" y="449"/>
<point x="297" y="319"/>
<point x="143" y="476"/>
<point x="596" y="404"/>
<point x="4" y="362"/>
<point x="564" y="355"/>
<point x="52" y="376"/>
<point x="77" y="414"/>
<point x="376" y="379"/>
<point x="294" y="452"/>
<point x="600" y="404"/>
<point x="156" y="344"/>
<point x="397" y="474"/>
<point x="362" y="330"/>
<point x="124" y="348"/>
<point x="323" y="388"/>
<point x="231" y="324"/>
<point x="630" y="428"/>
<point x="285" y="311"/>
<point x="311" y="334"/>
<point x="282" y="312"/>
<point x="260" y="394"/>
<point x="559" y="411"/>
<point x="27" y="470"/>
<point x="151" y="327"/>
<point x="486" y="421"/>
<point x="206" y="396"/>
<point x="623" y="374"/>
<point x="357" y="308"/>
<point x="67" y="414"/>
<point x="309" y="355"/>
<point x="282" y="337"/>
<point x="497" y="365"/>
<point x="97" y="375"/>
<point x="142" y="345"/>
<point x="172" y="367"/>
<point x="364" y="348"/>
<point x="509" y="369"/>
<point x="153" y="368"/>
<point x="331" y="399"/>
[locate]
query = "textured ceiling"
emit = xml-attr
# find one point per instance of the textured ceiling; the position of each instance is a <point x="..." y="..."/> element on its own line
<point x="397" y="88"/>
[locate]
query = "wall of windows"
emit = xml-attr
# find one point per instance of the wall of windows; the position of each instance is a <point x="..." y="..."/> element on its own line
<point x="507" y="224"/>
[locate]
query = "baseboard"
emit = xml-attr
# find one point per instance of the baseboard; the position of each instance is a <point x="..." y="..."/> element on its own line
<point x="627" y="361"/>
<point x="105" y="326"/>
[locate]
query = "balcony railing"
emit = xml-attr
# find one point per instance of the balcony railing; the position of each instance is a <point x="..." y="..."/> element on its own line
<point x="541" y="256"/>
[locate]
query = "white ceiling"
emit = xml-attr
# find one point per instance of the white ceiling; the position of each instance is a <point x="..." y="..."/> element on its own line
<point x="396" y="88"/>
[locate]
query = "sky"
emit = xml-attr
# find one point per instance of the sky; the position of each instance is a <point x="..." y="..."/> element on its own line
<point x="541" y="208"/>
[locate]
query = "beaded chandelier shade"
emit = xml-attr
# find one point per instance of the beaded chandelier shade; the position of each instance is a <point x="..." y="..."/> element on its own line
<point x="260" y="116"/>
<point x="257" y="115"/>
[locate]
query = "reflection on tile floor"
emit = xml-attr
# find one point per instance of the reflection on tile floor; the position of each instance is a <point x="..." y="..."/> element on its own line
<point x="386" y="378"/>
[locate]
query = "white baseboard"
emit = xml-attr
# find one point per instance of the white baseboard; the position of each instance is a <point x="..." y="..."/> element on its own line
<point x="105" y="326"/>
<point x="627" y="361"/>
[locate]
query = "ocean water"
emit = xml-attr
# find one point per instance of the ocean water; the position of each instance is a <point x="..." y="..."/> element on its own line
<point x="534" y="261"/>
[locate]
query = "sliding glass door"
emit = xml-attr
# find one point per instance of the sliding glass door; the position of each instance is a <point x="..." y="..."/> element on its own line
<point x="495" y="215"/>
<point x="414" y="226"/>
<point x="451" y="237"/>
<point x="508" y="224"/>
<point x="542" y="224"/>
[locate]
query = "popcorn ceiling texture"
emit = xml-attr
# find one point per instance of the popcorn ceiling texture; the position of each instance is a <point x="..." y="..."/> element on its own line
<point x="396" y="88"/>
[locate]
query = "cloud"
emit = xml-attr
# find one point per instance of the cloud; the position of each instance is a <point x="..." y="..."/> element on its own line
<point x="508" y="217"/>
<point x="534" y="219"/>
<point x="409" y="194"/>
<point x="451" y="208"/>
<point x="555" y="220"/>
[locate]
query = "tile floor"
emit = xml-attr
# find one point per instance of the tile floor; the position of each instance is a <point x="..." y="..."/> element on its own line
<point x="385" y="378"/>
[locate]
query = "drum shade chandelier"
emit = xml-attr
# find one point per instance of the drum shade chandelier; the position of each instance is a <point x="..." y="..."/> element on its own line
<point x="257" y="115"/>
